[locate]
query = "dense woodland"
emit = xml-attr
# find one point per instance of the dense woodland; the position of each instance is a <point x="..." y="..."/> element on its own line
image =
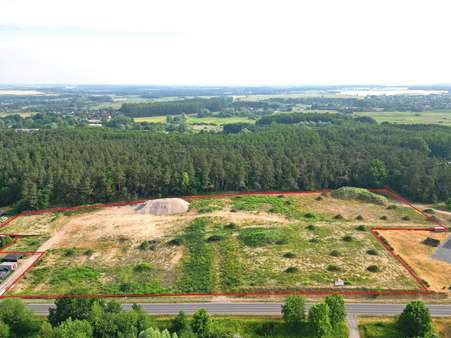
<point x="73" y="166"/>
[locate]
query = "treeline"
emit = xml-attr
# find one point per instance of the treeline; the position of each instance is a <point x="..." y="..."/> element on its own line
<point x="74" y="166"/>
<point x="187" y="106"/>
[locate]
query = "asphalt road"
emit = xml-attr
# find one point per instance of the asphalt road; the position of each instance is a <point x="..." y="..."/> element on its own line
<point x="259" y="308"/>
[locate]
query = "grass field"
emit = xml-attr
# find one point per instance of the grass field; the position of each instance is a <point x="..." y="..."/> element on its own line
<point x="198" y="120"/>
<point x="428" y="117"/>
<point x="385" y="327"/>
<point x="244" y="243"/>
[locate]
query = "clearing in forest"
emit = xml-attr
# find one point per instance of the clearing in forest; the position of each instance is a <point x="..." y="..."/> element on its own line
<point x="221" y="245"/>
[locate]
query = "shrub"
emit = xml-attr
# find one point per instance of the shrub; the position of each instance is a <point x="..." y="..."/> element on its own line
<point x="415" y="320"/>
<point x="289" y="255"/>
<point x="311" y="227"/>
<point x="429" y="211"/>
<point x="339" y="217"/>
<point x="392" y="207"/>
<point x="314" y="240"/>
<point x="214" y="238"/>
<point x="359" y="194"/>
<point x="309" y="215"/>
<point x="293" y="311"/>
<point x="141" y="267"/>
<point x="335" y="253"/>
<point x="361" y="228"/>
<point x="282" y="241"/>
<point x="291" y="269"/>
<point x="89" y="252"/>
<point x="348" y="238"/>
<point x="265" y="329"/>
<point x="230" y="226"/>
<point x="333" y="268"/>
<point x="359" y="218"/>
<point x="69" y="252"/>
<point x="406" y="218"/>
<point x="384" y="218"/>
<point x="176" y="241"/>
<point x="373" y="268"/>
<point x="319" y="198"/>
<point x="372" y="252"/>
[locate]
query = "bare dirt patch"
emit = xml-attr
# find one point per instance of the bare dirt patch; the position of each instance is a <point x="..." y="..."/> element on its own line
<point x="408" y="244"/>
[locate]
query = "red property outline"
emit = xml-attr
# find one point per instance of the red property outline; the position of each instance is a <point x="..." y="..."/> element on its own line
<point x="319" y="292"/>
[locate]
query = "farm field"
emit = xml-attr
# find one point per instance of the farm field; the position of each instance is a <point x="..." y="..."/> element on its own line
<point x="427" y="117"/>
<point x="197" y="120"/>
<point x="385" y="327"/>
<point x="418" y="255"/>
<point x="221" y="245"/>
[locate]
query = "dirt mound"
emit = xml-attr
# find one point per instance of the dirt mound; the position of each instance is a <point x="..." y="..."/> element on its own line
<point x="163" y="206"/>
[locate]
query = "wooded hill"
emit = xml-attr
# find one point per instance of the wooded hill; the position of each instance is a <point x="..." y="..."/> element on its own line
<point x="73" y="166"/>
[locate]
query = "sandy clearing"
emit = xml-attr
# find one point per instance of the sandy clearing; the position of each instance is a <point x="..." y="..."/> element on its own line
<point x="408" y="245"/>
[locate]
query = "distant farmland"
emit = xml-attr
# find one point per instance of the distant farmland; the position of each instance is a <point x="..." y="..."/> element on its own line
<point x="442" y="117"/>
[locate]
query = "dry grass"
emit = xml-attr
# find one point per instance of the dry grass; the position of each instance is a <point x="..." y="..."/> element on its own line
<point x="408" y="244"/>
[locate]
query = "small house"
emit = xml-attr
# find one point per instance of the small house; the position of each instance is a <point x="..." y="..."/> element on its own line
<point x="8" y="266"/>
<point x="12" y="257"/>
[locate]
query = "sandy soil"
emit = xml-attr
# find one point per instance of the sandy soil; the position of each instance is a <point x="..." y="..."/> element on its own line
<point x="418" y="255"/>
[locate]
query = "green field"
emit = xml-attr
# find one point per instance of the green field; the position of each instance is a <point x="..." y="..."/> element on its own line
<point x="218" y="121"/>
<point x="427" y="117"/>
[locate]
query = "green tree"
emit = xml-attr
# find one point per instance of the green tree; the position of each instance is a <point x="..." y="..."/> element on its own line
<point x="201" y="323"/>
<point x="4" y="330"/>
<point x="75" y="308"/>
<point x="180" y="323"/>
<point x="155" y="333"/>
<point x="337" y="310"/>
<point x="293" y="311"/>
<point x="377" y="173"/>
<point x="319" y="321"/>
<point x="73" y="329"/>
<point x="18" y="318"/>
<point x="415" y="320"/>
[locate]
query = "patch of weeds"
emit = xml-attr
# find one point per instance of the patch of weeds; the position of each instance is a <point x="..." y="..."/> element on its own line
<point x="207" y="205"/>
<point x="255" y="237"/>
<point x="429" y="211"/>
<point x="230" y="226"/>
<point x="88" y="252"/>
<point x="142" y="267"/>
<point x="148" y="245"/>
<point x="70" y="252"/>
<point x="359" y="218"/>
<point x="314" y="240"/>
<point x="384" y="218"/>
<point x="175" y="241"/>
<point x="319" y="198"/>
<point x="285" y="206"/>
<point x="361" y="228"/>
<point x="392" y="207"/>
<point x="348" y="238"/>
<point x="231" y="270"/>
<point x="198" y="273"/>
<point x="339" y="217"/>
<point x="311" y="227"/>
<point x="309" y="215"/>
<point x="406" y="218"/>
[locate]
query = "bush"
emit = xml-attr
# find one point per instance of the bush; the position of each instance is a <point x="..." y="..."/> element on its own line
<point x="429" y="211"/>
<point x="319" y="198"/>
<point x="309" y="215"/>
<point x="384" y="218"/>
<point x="292" y="269"/>
<point x="339" y="217"/>
<point x="311" y="227"/>
<point x="265" y="329"/>
<point x="406" y="218"/>
<point x="176" y="241"/>
<point x="70" y="252"/>
<point x="230" y="226"/>
<point x="373" y="268"/>
<point x="314" y="240"/>
<point x="348" y="238"/>
<point x="289" y="255"/>
<point x="361" y="228"/>
<point x="359" y="218"/>
<point x="335" y="253"/>
<point x="141" y="267"/>
<point x="359" y="194"/>
<point x="293" y="311"/>
<point x="333" y="268"/>
<point x="372" y="252"/>
<point x="89" y="252"/>
<point x="282" y="241"/>
<point x="214" y="238"/>
<point x="392" y="207"/>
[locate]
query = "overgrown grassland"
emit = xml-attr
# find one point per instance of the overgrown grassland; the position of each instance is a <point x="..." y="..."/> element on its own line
<point x="427" y="117"/>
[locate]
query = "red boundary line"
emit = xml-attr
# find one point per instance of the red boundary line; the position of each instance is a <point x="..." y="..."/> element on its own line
<point x="373" y="231"/>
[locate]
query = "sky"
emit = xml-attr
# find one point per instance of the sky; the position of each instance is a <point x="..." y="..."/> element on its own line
<point x="225" y="42"/>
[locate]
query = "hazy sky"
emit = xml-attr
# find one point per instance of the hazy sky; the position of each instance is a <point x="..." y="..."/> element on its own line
<point x="230" y="42"/>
